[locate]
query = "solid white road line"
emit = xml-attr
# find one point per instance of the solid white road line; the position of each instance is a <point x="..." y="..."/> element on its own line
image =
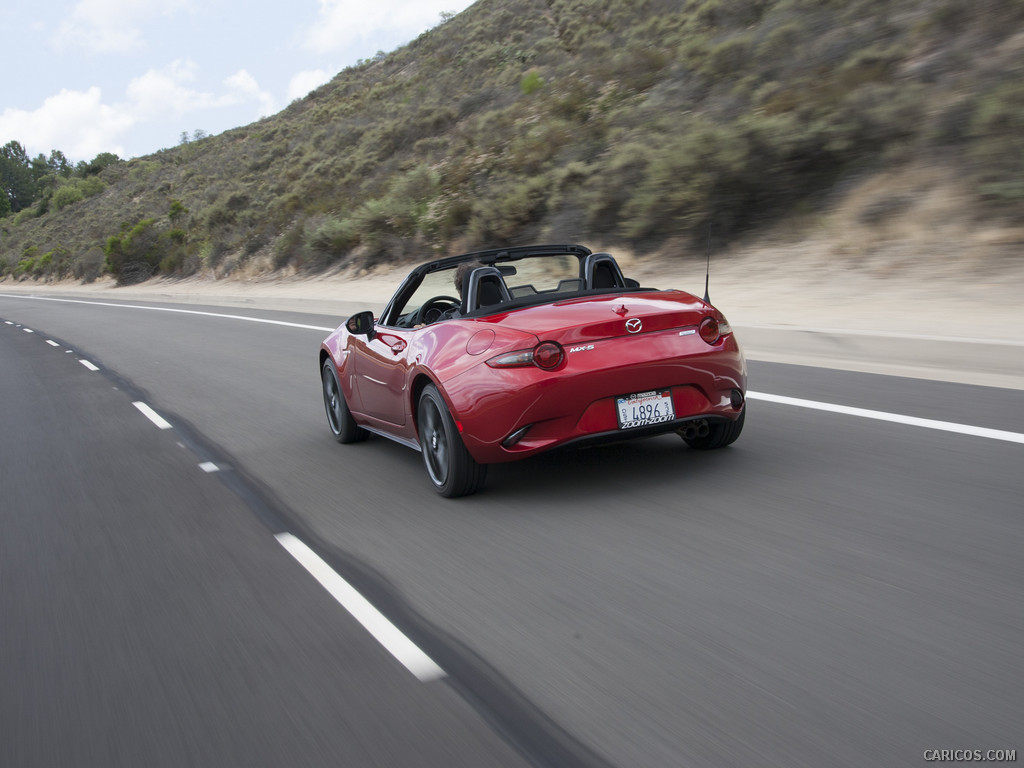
<point x="896" y="418"/>
<point x="386" y="633"/>
<point x="886" y="334"/>
<point x="964" y="429"/>
<point x="88" y="365"/>
<point x="152" y="415"/>
<point x="171" y="309"/>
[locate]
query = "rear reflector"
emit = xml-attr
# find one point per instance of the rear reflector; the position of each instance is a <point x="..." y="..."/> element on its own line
<point x="516" y="436"/>
<point x="736" y="399"/>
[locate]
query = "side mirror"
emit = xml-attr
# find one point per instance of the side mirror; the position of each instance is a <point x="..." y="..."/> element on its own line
<point x="361" y="323"/>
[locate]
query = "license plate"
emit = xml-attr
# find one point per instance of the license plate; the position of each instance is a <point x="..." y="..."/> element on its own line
<point x="644" y="408"/>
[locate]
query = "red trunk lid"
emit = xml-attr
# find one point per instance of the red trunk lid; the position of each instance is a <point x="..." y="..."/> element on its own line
<point x="585" y="320"/>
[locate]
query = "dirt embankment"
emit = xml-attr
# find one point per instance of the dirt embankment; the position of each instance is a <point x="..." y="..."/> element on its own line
<point x="900" y="253"/>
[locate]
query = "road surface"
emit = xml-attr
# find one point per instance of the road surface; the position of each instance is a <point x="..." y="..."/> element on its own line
<point x="836" y="588"/>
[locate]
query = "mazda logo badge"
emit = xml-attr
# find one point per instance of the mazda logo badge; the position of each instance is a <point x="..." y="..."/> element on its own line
<point x="633" y="325"/>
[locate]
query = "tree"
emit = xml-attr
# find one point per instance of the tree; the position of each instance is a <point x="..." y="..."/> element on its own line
<point x="16" y="176"/>
<point x="59" y="164"/>
<point x="13" y="150"/>
<point x="40" y="167"/>
<point x="101" y="162"/>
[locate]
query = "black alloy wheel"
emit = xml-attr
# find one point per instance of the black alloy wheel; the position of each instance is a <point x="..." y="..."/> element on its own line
<point x="339" y="417"/>
<point x="450" y="467"/>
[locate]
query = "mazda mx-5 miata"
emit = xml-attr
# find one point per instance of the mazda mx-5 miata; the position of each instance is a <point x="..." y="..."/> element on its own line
<point x="498" y="355"/>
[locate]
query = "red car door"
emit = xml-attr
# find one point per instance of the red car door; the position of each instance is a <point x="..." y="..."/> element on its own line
<point x="381" y="368"/>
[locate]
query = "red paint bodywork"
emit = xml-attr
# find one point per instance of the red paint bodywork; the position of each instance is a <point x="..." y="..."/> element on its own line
<point x="382" y="374"/>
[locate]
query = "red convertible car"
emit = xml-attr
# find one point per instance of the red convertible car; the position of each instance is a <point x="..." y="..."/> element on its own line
<point x="498" y="355"/>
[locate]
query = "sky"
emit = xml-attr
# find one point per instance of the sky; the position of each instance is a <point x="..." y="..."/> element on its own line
<point x="130" y="76"/>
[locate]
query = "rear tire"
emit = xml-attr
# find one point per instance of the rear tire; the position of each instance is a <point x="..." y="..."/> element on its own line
<point x="339" y="417"/>
<point x="450" y="468"/>
<point x="720" y="434"/>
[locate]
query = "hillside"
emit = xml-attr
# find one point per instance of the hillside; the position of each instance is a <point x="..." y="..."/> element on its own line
<point x="619" y="124"/>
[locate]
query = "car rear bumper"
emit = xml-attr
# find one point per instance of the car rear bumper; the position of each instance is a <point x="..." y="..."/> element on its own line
<point x="514" y="413"/>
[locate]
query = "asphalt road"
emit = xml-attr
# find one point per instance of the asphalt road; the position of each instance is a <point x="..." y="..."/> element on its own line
<point x="830" y="590"/>
<point x="151" y="619"/>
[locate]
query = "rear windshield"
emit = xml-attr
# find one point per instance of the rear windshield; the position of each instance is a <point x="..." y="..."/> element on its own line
<point x="542" y="274"/>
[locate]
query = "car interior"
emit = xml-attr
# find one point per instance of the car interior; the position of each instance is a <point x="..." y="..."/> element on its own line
<point x="486" y="288"/>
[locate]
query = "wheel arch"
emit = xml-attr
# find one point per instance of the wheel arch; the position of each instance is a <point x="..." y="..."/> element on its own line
<point x="419" y="383"/>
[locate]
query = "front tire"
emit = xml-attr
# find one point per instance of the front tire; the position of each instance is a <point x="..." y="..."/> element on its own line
<point x="450" y="467"/>
<point x="339" y="417"/>
<point x="720" y="434"/>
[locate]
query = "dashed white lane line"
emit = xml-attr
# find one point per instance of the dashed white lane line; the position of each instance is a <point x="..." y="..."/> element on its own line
<point x="52" y="343"/>
<point x="386" y="633"/>
<point x="88" y="365"/>
<point x="152" y="415"/>
<point x="896" y="418"/>
<point x="28" y="330"/>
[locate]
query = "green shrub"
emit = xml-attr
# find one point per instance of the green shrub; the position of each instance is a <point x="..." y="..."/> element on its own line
<point x="91" y="185"/>
<point x="531" y="83"/>
<point x="177" y="212"/>
<point x="620" y="172"/>
<point x="135" y="254"/>
<point x="66" y="195"/>
<point x="501" y="218"/>
<point x="997" y="149"/>
<point x="727" y="59"/>
<point x="43" y="265"/>
<point x="25" y="267"/>
<point x="334" y="237"/>
<point x="24" y="215"/>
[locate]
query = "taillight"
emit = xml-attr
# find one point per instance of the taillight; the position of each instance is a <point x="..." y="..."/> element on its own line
<point x="547" y="355"/>
<point x="518" y="359"/>
<point x="710" y="331"/>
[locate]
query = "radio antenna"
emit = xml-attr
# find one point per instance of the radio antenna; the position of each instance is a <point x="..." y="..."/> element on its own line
<point x="707" y="273"/>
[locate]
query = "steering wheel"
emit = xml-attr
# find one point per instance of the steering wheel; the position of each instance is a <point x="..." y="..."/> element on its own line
<point x="433" y="309"/>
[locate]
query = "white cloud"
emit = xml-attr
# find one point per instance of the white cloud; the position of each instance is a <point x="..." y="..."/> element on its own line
<point x="304" y="82"/>
<point x="244" y="88"/>
<point x="81" y="125"/>
<point x="345" y="23"/>
<point x="166" y="92"/>
<point x="76" y="122"/>
<point x="163" y="92"/>
<point x="111" y="26"/>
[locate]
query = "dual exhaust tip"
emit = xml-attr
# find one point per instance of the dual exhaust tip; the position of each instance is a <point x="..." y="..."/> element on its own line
<point x="695" y="429"/>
